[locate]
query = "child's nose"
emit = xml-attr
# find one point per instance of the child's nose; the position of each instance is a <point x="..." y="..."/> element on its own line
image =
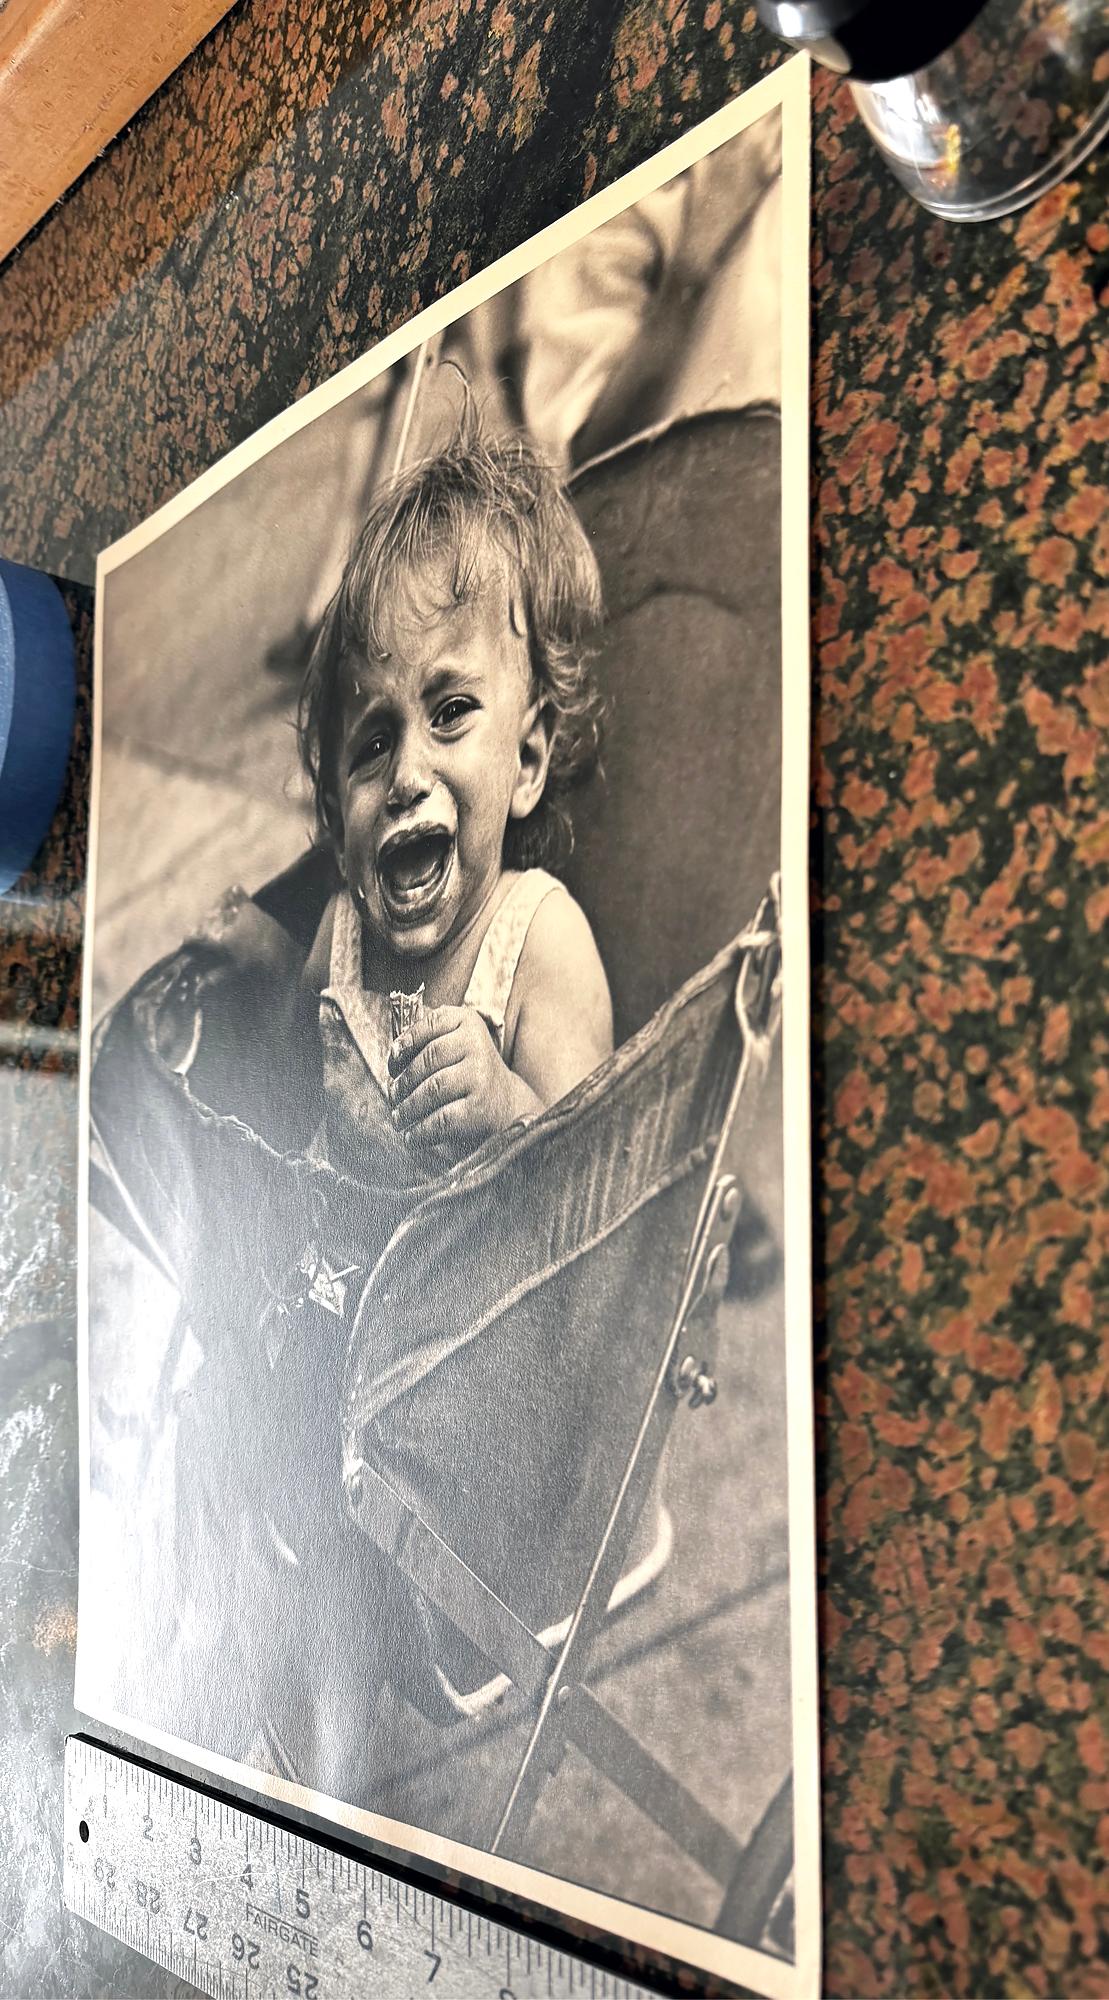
<point x="412" y="779"/>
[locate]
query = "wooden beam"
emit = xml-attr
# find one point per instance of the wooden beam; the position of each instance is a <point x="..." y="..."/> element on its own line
<point x="72" y="72"/>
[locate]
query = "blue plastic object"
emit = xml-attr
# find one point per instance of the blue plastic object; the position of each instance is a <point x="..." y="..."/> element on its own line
<point x="37" y="699"/>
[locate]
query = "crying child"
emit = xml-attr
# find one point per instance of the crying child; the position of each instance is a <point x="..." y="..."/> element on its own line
<point x="447" y="711"/>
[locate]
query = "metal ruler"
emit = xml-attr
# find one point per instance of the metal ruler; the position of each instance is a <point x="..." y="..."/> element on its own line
<point x="246" y="1907"/>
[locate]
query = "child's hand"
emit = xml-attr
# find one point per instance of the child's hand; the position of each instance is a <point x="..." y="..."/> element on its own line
<point x="449" y="1086"/>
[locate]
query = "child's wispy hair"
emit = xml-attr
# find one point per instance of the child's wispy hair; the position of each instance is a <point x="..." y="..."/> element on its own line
<point x="475" y="492"/>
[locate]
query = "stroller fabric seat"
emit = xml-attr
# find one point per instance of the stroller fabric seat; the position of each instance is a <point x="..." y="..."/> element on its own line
<point x="505" y="1345"/>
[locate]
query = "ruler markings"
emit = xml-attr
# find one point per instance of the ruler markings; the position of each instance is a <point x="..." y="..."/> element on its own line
<point x="238" y="1935"/>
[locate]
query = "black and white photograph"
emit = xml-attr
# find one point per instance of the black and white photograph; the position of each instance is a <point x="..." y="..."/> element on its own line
<point x="446" y="1323"/>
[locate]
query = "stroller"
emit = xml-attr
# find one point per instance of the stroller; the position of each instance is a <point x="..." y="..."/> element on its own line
<point x="603" y="1320"/>
<point x="510" y="1366"/>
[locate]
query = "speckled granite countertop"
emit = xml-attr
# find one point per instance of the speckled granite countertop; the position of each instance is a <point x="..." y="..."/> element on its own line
<point x="305" y="182"/>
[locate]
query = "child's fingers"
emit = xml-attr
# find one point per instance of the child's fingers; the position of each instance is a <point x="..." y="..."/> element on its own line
<point x="437" y="1021"/>
<point x="445" y="1052"/>
<point x="443" y="1132"/>
<point x="419" y="1110"/>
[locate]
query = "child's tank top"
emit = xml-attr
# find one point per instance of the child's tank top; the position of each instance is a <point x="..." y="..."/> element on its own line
<point x="356" y="1026"/>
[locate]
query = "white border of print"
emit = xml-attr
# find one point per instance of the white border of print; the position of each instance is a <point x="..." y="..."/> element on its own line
<point x="787" y="87"/>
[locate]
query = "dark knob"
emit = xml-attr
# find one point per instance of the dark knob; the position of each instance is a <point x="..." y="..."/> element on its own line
<point x="869" y="39"/>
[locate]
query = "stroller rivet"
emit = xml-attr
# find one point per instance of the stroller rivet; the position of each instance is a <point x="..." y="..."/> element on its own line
<point x="694" y="1381"/>
<point x="354" y="1490"/>
<point x="562" y="1697"/>
<point x="730" y="1202"/>
<point x="716" y="1272"/>
<point x="704" y="1390"/>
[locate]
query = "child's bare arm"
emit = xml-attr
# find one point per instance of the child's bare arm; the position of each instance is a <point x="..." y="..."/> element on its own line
<point x="564" y="1025"/>
<point x="450" y="1087"/>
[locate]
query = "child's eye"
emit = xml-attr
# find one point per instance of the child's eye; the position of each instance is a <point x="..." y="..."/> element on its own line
<point x="454" y="711"/>
<point x="370" y="750"/>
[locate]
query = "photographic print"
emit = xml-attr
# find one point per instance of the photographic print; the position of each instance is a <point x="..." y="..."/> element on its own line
<point x="446" y="1327"/>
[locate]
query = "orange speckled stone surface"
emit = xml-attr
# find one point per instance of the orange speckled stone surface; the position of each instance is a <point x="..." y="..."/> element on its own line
<point x="312" y="176"/>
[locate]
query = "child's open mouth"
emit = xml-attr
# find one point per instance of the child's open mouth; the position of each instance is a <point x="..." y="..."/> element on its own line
<point x="412" y="871"/>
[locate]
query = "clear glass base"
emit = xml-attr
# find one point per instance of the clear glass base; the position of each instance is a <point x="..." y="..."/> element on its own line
<point x="1019" y="101"/>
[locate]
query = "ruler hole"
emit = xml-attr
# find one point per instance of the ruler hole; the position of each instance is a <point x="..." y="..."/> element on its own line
<point x="83" y="1829"/>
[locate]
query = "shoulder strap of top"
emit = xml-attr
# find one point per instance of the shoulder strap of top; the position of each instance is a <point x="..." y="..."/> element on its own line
<point x="493" y="975"/>
<point x="366" y="1014"/>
